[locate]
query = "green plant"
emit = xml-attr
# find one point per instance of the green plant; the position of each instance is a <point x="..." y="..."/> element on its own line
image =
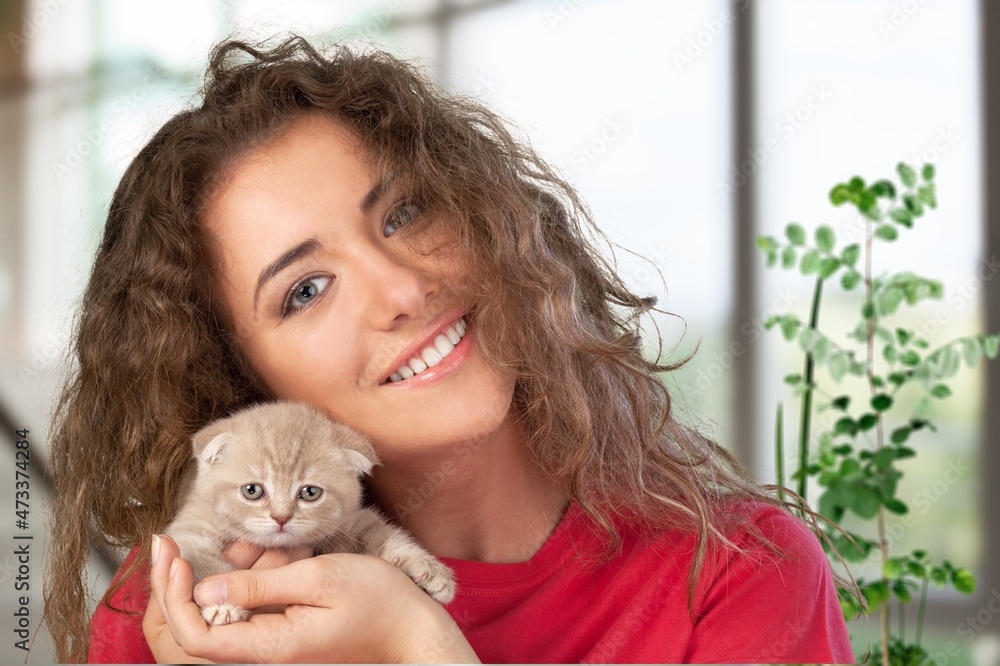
<point x="856" y="463"/>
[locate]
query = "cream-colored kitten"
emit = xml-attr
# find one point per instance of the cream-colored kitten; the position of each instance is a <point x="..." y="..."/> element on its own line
<point x="283" y="475"/>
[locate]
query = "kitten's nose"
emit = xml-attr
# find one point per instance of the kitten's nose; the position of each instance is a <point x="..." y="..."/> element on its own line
<point x="281" y="520"/>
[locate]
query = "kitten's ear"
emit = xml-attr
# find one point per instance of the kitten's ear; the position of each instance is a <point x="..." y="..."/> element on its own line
<point x="210" y="442"/>
<point x="357" y="449"/>
<point x="361" y="463"/>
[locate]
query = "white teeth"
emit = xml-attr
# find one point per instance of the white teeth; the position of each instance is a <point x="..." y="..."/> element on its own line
<point x="443" y="345"/>
<point x="433" y="354"/>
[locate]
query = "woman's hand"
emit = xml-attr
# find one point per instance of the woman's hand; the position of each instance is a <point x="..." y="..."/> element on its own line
<point x="341" y="607"/>
<point x="240" y="554"/>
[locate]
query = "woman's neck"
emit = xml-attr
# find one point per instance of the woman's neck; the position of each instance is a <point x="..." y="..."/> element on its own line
<point x="484" y="500"/>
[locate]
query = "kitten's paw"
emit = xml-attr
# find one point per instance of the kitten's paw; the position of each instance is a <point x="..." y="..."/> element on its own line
<point x="427" y="572"/>
<point x="224" y="614"/>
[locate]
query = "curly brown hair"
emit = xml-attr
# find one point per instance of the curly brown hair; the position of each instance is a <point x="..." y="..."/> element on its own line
<point x="156" y="359"/>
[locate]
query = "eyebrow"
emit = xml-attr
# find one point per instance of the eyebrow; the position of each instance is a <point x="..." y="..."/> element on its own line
<point x="311" y="245"/>
<point x="303" y="249"/>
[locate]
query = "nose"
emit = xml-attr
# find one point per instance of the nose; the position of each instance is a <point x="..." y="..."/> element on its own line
<point x="398" y="287"/>
<point x="281" y="519"/>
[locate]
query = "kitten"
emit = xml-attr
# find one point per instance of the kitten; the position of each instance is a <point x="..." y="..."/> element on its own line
<point x="283" y="475"/>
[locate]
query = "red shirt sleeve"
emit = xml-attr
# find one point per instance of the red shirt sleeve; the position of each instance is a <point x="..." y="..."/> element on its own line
<point x="116" y="637"/>
<point x="761" y="610"/>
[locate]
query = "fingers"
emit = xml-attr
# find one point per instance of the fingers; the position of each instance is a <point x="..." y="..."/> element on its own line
<point x="243" y="555"/>
<point x="313" y="582"/>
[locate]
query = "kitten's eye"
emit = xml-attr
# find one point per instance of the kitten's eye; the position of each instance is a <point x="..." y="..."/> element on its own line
<point x="310" y="493"/>
<point x="252" y="491"/>
<point x="400" y="216"/>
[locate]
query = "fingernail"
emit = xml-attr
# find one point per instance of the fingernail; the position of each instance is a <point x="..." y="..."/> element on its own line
<point x="155" y="548"/>
<point x="173" y="567"/>
<point x="210" y="593"/>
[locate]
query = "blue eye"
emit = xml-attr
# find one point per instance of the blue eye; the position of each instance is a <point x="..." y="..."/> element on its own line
<point x="400" y="216"/>
<point x="304" y="293"/>
<point x="252" y="491"/>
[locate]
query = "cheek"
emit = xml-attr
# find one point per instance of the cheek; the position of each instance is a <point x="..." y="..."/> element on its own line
<point x="305" y="365"/>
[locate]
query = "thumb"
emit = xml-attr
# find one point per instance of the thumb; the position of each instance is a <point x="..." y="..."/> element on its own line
<point x="312" y="581"/>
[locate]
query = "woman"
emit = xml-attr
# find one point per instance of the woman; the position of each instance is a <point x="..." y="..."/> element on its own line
<point x="306" y="234"/>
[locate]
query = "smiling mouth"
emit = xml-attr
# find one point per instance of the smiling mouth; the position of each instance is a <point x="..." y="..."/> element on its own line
<point x="435" y="352"/>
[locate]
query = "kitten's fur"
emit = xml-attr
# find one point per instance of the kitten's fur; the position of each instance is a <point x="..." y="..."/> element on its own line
<point x="283" y="447"/>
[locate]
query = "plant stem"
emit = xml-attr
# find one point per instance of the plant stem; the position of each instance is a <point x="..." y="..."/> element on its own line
<point x="920" y="609"/>
<point x="870" y="336"/>
<point x="902" y="629"/>
<point x="807" y="397"/>
<point x="779" y="452"/>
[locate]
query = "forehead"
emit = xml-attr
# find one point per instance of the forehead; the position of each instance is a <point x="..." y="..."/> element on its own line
<point x="313" y="173"/>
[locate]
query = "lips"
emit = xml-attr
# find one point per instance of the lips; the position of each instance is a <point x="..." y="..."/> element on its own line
<point x="434" y="348"/>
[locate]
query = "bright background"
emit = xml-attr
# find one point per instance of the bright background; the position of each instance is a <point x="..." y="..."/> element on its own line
<point x="633" y="101"/>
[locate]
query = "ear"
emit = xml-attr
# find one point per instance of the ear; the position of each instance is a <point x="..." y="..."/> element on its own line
<point x="358" y="451"/>
<point x="358" y="461"/>
<point x="210" y="442"/>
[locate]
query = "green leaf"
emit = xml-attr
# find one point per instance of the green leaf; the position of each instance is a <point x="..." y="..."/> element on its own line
<point x="795" y="233"/>
<point x="807" y="338"/>
<point x="856" y="184"/>
<point x="881" y="402"/>
<point x="897" y="378"/>
<point x="788" y="257"/>
<point x="849" y="466"/>
<point x="884" y="188"/>
<point x="845" y="426"/>
<point x="838" y="366"/>
<point x="789" y="328"/>
<point x="910" y="357"/>
<point x="884" y="457"/>
<point x="903" y="336"/>
<point x="828" y="266"/>
<point x="939" y="577"/>
<point x="927" y="195"/>
<point x="849" y="255"/>
<point x="963" y="580"/>
<point x="886" y="232"/>
<point x="766" y="243"/>
<point x="866" y="502"/>
<point x="896" y="506"/>
<point x="841" y="402"/>
<point x="920" y="554"/>
<point x="867" y="421"/>
<point x="900" y="435"/>
<point x="820" y="350"/>
<point x="991" y="345"/>
<point x="825" y="238"/>
<point x="940" y="391"/>
<point x="850" y="279"/>
<point x="928" y="172"/>
<point x="903" y="216"/>
<point x="913" y="205"/>
<point x="793" y="379"/>
<point x="892" y="568"/>
<point x="904" y="452"/>
<point x="906" y="174"/>
<point x="772" y="258"/>
<point x="973" y="352"/>
<point x="840" y="194"/>
<point x="867" y="204"/>
<point x="810" y="262"/>
<point x="867" y="312"/>
<point x="901" y="591"/>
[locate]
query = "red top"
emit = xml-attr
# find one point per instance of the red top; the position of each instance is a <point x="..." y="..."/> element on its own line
<point x="557" y="608"/>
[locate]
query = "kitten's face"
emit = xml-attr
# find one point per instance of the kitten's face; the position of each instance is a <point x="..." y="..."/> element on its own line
<point x="280" y="475"/>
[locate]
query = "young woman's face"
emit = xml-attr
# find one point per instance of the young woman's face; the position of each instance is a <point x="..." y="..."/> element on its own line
<point x="329" y="300"/>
